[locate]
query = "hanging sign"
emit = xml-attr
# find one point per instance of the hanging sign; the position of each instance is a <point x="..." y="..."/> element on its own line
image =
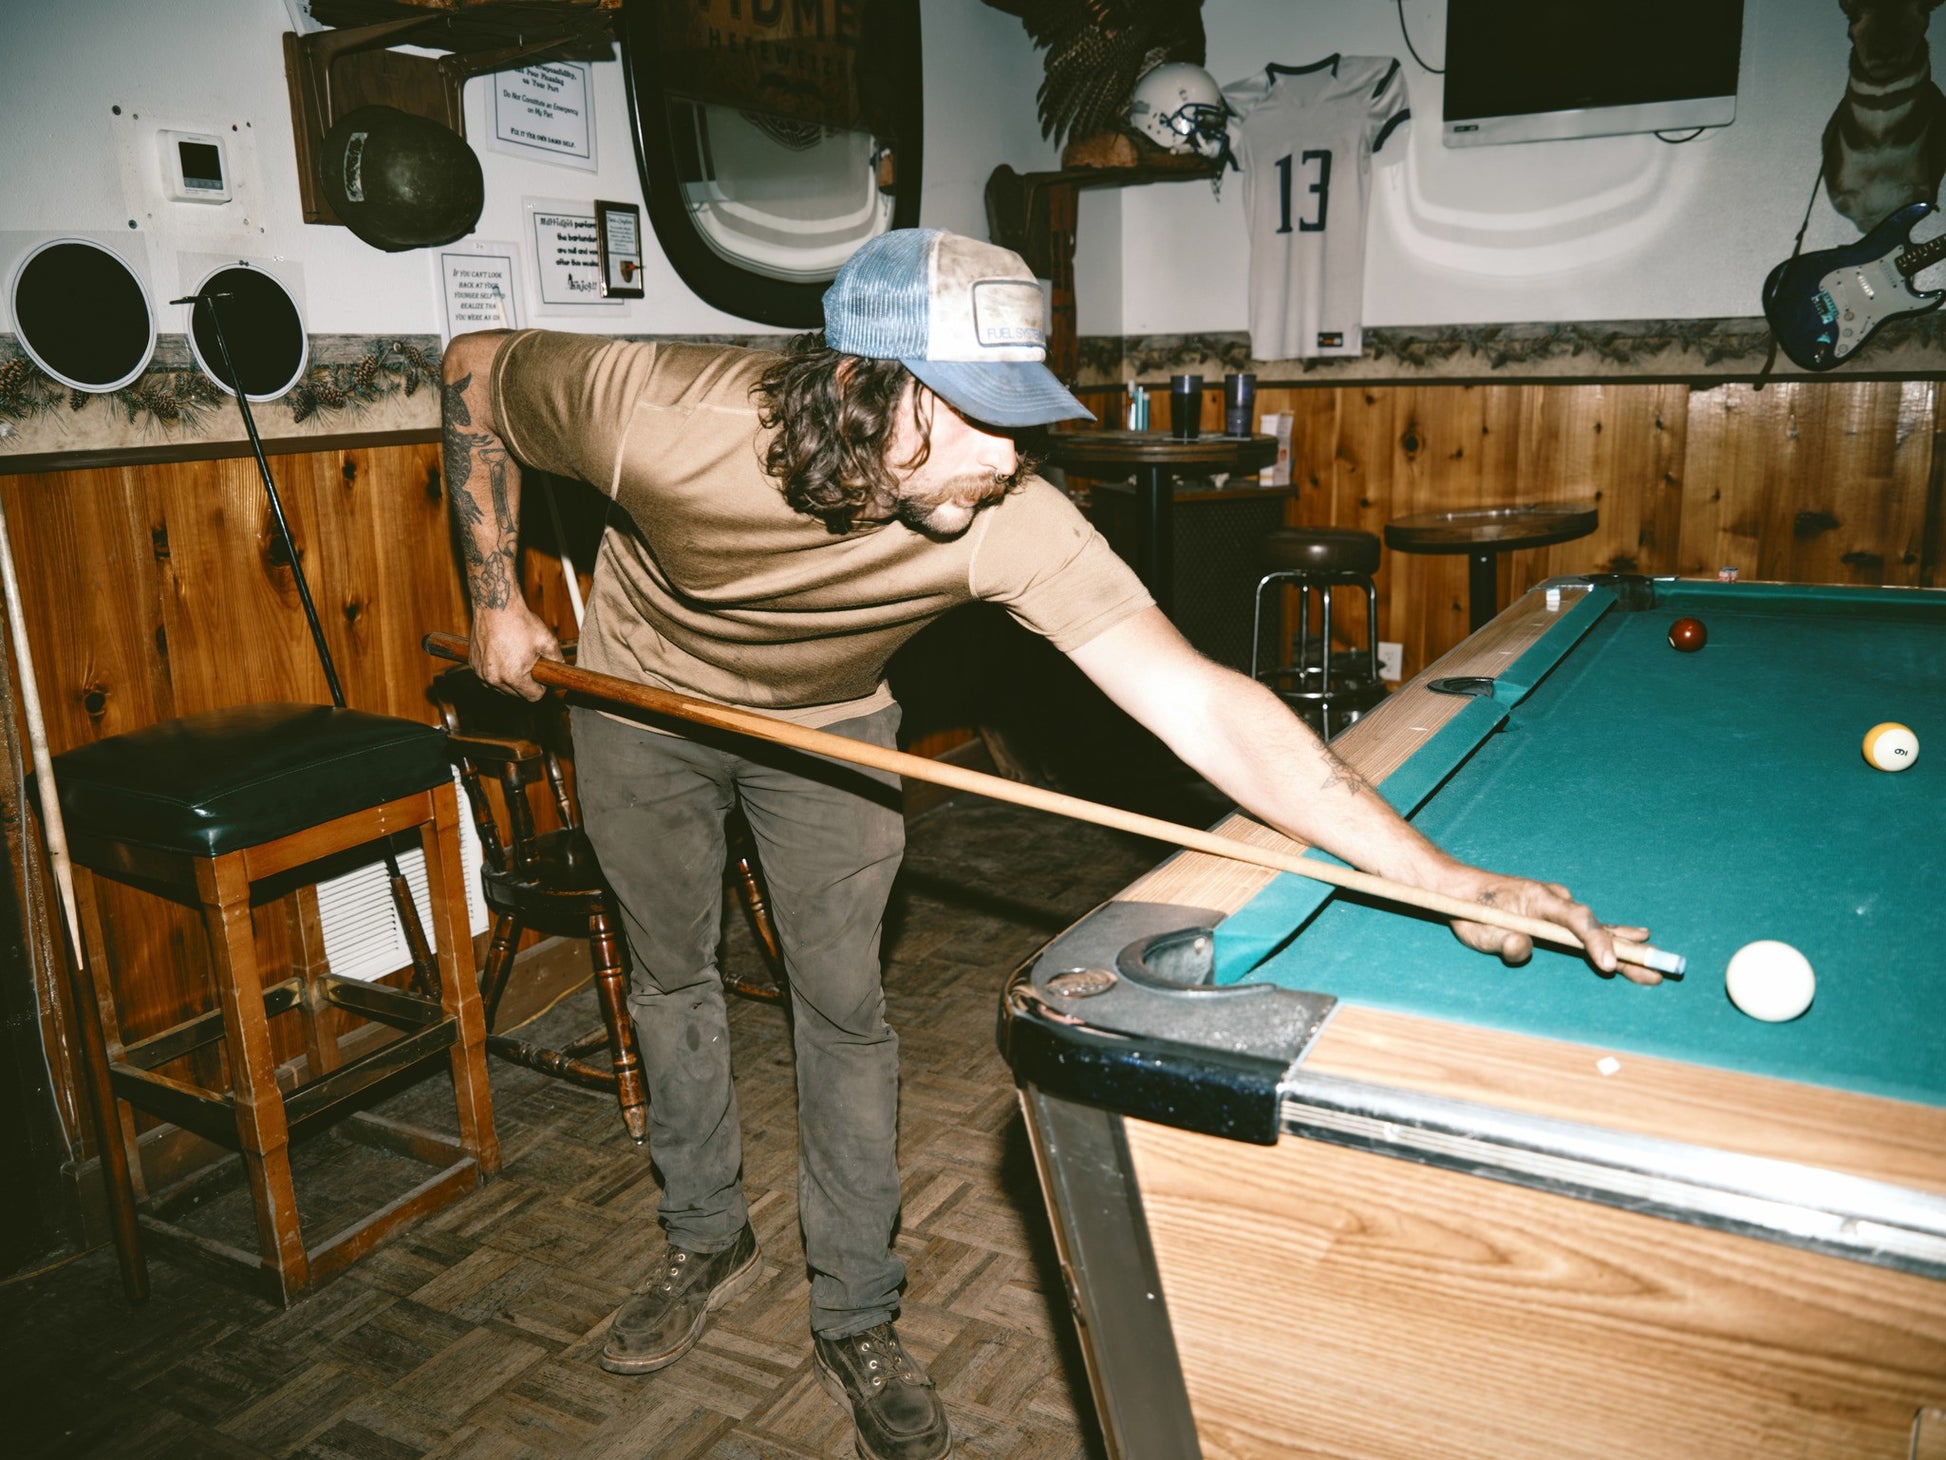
<point x="546" y="111"/>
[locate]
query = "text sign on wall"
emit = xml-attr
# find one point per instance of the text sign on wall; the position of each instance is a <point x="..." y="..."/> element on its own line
<point x="546" y="111"/>
<point x="479" y="291"/>
<point x="567" y="252"/>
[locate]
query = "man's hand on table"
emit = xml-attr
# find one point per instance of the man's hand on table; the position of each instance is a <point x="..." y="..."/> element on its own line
<point x="1547" y="900"/>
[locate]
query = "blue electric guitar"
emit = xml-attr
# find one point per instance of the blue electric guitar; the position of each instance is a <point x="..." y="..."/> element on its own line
<point x="1822" y="306"/>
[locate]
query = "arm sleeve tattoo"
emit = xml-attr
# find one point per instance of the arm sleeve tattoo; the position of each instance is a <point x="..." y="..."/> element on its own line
<point x="482" y="485"/>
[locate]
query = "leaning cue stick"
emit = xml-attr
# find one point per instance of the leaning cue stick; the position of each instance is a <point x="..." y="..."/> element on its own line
<point x="899" y="762"/>
<point x="52" y="826"/>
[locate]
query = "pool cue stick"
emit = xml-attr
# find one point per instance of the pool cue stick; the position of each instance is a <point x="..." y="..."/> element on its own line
<point x="425" y="967"/>
<point x="917" y="767"/>
<point x="569" y="572"/>
<point x="90" y="1042"/>
<point x="52" y="826"/>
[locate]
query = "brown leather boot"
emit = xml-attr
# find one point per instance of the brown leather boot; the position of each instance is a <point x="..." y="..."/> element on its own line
<point x="662" y="1323"/>
<point x="894" y="1408"/>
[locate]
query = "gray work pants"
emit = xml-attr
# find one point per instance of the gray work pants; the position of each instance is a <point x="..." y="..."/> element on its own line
<point x="829" y="839"/>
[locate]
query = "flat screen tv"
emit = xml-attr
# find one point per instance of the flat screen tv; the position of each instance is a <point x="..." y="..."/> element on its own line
<point x="1539" y="70"/>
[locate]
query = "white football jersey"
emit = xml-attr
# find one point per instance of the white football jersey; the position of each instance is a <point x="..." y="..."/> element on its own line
<point x="1304" y="137"/>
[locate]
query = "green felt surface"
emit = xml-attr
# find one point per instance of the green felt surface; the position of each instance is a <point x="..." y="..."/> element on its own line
<point x="1717" y="797"/>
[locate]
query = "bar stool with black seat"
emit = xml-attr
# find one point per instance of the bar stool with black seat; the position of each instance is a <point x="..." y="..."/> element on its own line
<point x="551" y="881"/>
<point x="231" y="811"/>
<point x="1330" y="688"/>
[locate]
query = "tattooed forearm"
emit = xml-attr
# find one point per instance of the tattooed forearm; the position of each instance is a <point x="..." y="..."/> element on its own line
<point x="489" y="573"/>
<point x="1338" y="774"/>
<point x="490" y="547"/>
<point x="456" y="452"/>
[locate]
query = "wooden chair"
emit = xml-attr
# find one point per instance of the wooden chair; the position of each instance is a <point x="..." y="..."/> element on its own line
<point x="550" y="881"/>
<point x="215" y="811"/>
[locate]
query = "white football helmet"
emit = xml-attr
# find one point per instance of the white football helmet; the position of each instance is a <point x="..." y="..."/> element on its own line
<point x="1180" y="108"/>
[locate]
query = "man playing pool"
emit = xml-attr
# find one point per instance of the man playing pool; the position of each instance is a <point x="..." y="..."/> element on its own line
<point x="787" y="522"/>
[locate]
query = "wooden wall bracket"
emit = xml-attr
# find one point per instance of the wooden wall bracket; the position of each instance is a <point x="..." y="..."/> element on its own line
<point x="1033" y="213"/>
<point x="333" y="72"/>
<point x="336" y="71"/>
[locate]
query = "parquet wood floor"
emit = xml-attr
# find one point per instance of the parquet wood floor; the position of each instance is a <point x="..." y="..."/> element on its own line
<point x="475" y="1333"/>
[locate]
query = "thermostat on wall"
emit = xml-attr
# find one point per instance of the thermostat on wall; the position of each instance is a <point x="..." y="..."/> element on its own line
<point x="195" y="168"/>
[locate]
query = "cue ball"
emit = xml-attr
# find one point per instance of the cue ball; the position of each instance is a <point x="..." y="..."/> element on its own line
<point x="1891" y="747"/>
<point x="1688" y="635"/>
<point x="1770" y="981"/>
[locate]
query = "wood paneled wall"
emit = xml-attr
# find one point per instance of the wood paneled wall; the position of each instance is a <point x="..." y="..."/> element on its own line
<point x="1829" y="481"/>
<point x="162" y="589"/>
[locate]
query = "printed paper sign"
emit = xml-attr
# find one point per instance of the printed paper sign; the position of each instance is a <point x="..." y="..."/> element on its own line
<point x="546" y="111"/>
<point x="567" y="253"/>
<point x="479" y="291"/>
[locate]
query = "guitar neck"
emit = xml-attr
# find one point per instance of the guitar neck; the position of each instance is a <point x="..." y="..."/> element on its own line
<point x="1922" y="256"/>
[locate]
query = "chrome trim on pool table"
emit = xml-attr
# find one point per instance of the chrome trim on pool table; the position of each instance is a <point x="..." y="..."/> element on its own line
<point x="1756" y="1196"/>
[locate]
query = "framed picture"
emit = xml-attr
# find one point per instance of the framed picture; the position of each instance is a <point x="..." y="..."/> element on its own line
<point x="618" y="236"/>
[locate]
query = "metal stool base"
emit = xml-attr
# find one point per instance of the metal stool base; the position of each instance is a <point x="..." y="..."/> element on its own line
<point x="1329" y="696"/>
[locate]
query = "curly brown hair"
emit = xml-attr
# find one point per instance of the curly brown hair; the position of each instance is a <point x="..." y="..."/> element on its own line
<point x="835" y="415"/>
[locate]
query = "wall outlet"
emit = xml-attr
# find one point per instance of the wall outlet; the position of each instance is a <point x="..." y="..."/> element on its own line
<point x="1391" y="661"/>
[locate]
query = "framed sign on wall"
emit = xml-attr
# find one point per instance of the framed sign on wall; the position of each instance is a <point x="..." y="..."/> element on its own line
<point x="618" y="241"/>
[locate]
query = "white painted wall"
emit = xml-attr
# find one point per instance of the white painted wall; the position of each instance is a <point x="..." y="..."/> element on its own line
<point x="1613" y="228"/>
<point x="1602" y="228"/>
<point x="70" y="164"/>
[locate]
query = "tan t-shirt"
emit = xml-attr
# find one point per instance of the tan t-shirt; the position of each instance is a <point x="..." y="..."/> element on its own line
<point x="712" y="585"/>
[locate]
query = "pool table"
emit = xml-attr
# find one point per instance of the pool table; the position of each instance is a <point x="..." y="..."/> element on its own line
<point x="1325" y="1182"/>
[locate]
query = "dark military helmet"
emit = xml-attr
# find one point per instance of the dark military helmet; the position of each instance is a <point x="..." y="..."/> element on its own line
<point x="400" y="181"/>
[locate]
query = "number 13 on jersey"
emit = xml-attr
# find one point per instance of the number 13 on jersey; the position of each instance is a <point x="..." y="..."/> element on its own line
<point x="1316" y="180"/>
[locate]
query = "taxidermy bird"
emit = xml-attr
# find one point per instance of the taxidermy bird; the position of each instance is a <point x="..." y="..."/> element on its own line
<point x="1097" y="50"/>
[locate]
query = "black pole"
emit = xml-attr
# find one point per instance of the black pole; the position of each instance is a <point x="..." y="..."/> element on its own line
<point x="417" y="948"/>
<point x="270" y="490"/>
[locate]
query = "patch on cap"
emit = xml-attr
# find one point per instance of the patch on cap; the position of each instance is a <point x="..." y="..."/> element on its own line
<point x="983" y="305"/>
<point x="1007" y="312"/>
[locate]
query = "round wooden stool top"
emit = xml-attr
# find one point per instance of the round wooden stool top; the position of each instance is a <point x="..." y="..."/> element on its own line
<point x="1319" y="550"/>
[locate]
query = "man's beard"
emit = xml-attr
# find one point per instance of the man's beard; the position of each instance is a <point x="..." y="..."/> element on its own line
<point x="940" y="514"/>
<point x="945" y="519"/>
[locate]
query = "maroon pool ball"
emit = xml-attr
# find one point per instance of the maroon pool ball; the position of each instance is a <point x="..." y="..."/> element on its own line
<point x="1688" y="635"/>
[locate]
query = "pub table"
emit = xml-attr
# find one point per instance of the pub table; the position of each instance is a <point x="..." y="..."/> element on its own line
<point x="1150" y="459"/>
<point x="1483" y="533"/>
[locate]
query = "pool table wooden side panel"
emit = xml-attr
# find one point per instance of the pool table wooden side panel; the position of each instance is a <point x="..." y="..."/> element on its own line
<point x="1894" y="1141"/>
<point x="1334" y="1302"/>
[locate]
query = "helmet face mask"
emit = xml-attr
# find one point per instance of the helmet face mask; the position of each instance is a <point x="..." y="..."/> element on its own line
<point x="1180" y="108"/>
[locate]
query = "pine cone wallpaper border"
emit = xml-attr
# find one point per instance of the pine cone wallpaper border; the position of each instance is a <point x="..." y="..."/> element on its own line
<point x="371" y="383"/>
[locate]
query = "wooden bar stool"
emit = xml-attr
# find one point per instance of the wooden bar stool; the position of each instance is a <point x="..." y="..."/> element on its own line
<point x="550" y="880"/>
<point x="1320" y="560"/>
<point x="222" y="811"/>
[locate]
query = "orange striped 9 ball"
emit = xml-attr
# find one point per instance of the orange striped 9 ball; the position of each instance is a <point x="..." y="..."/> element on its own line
<point x="1891" y="746"/>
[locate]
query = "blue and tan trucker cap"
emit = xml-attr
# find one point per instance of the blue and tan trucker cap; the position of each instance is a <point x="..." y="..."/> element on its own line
<point x="961" y="315"/>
